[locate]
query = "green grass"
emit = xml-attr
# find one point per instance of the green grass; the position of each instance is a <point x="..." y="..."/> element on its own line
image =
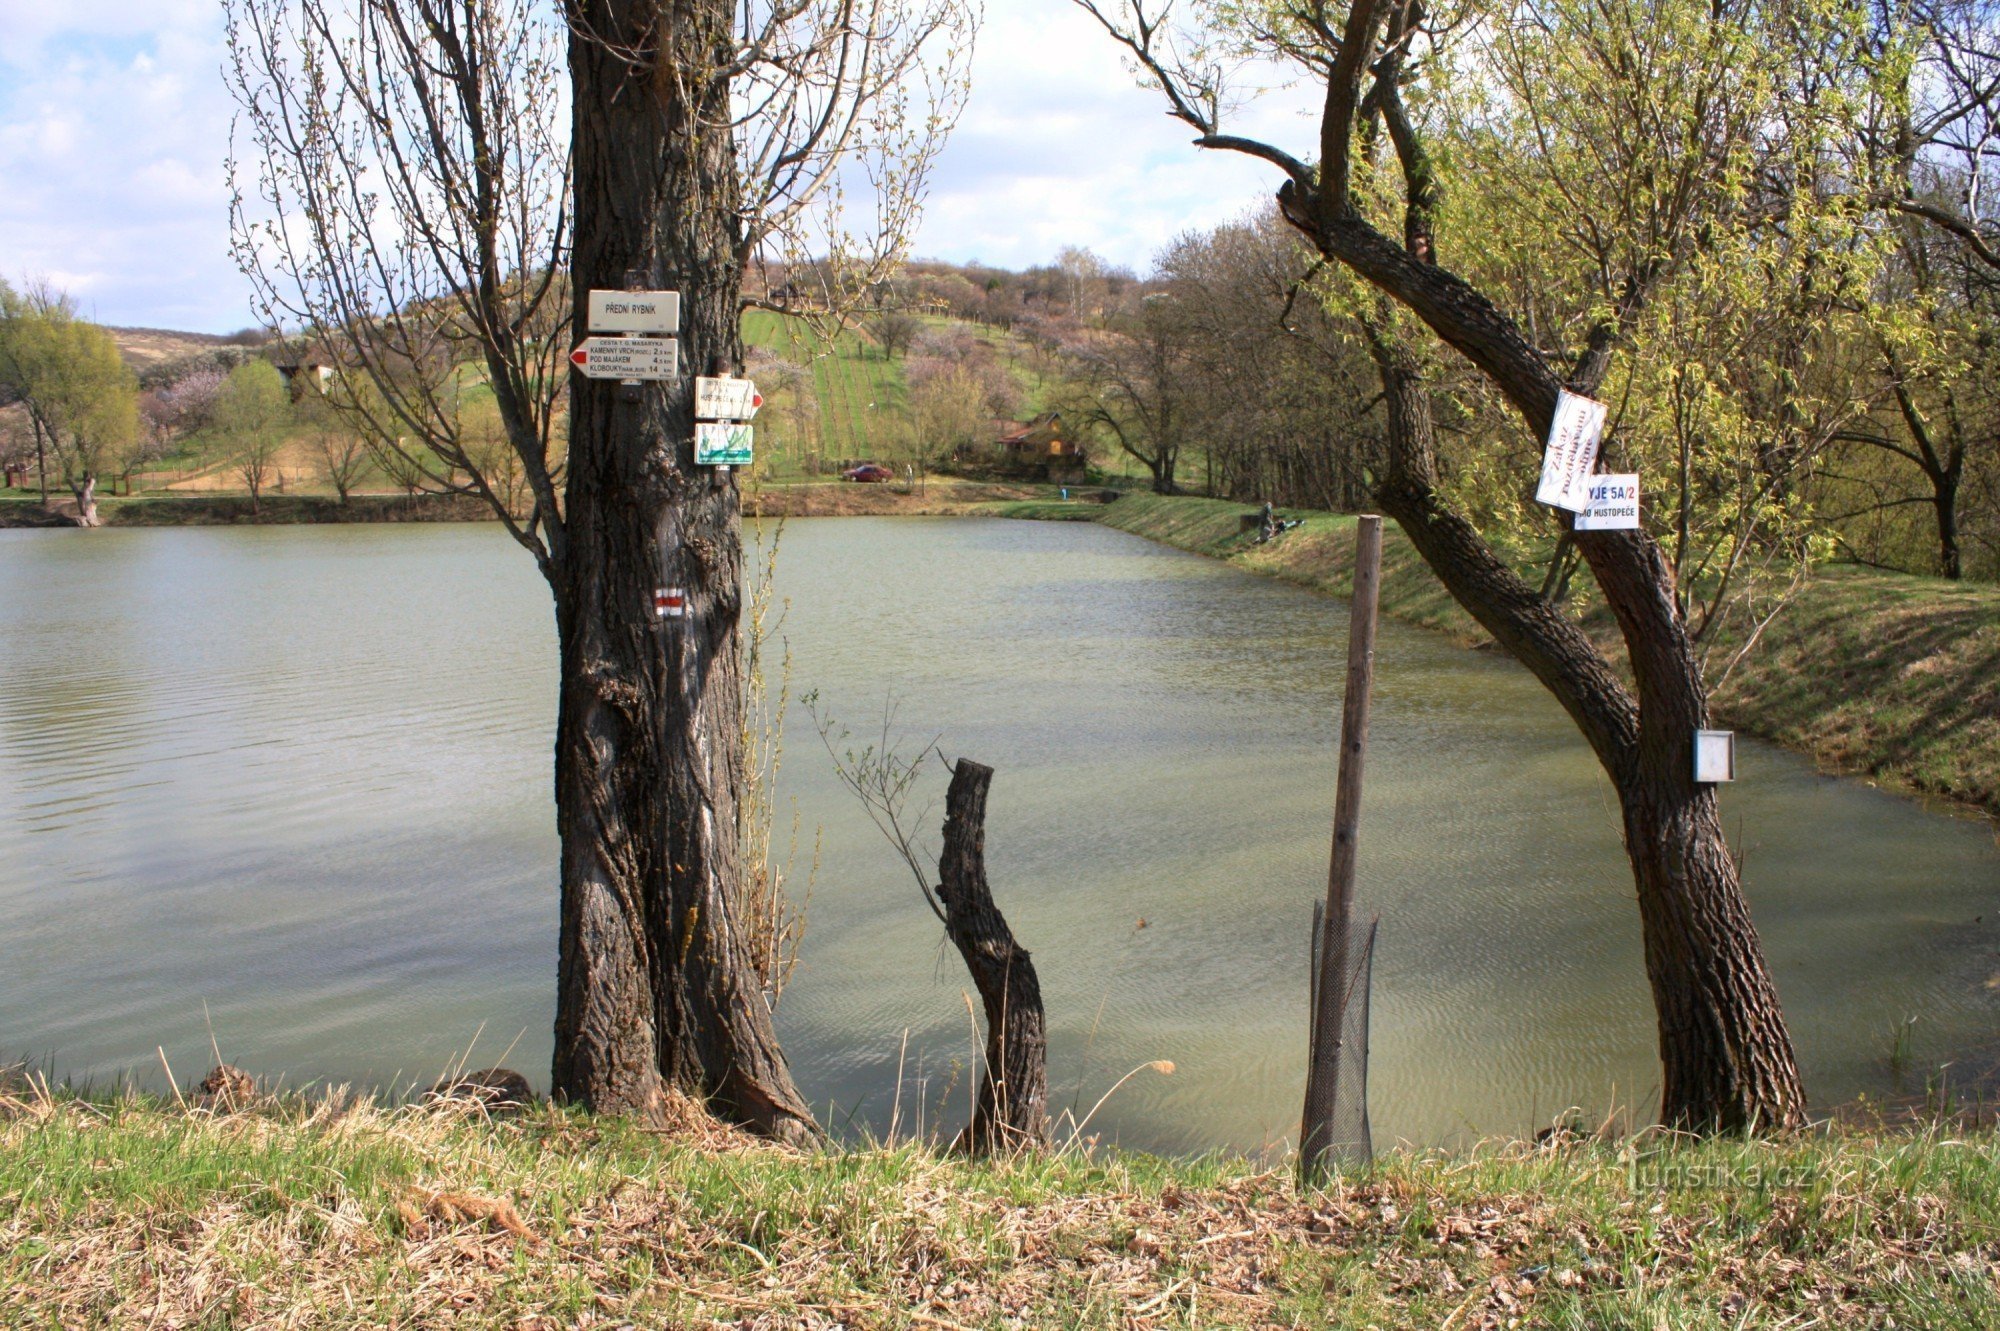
<point x="209" y="510"/>
<point x="116" y="1212"/>
<point x="1046" y="510"/>
<point x="1891" y="676"/>
<point x="860" y="392"/>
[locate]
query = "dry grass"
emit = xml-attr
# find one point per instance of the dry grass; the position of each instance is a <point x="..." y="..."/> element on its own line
<point x="336" y="1212"/>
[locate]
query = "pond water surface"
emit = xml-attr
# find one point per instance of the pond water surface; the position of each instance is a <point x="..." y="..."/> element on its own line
<point x="286" y="790"/>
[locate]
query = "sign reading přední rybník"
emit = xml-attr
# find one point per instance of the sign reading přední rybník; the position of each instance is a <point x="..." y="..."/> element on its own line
<point x="635" y="311"/>
<point x="1571" y="455"/>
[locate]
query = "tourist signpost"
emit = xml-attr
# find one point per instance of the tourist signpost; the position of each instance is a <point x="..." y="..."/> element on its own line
<point x="723" y="407"/>
<point x="631" y="359"/>
<point x="635" y="312"/>
<point x="642" y="354"/>
<point x="719" y="399"/>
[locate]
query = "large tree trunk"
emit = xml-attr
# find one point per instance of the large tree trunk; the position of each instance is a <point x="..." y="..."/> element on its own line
<point x="1726" y="1057"/>
<point x="656" y="987"/>
<point x="1011" y="1112"/>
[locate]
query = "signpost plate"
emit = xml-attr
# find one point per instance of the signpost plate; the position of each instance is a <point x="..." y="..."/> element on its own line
<point x="628" y="358"/>
<point x="1571" y="455"/>
<point x="635" y="311"/>
<point x="1613" y="503"/>
<point x="721" y="444"/>
<point x="726" y="399"/>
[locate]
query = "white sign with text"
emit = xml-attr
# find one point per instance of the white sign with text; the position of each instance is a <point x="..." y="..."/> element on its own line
<point x="726" y="399"/>
<point x="635" y="311"/>
<point x="1571" y="455"/>
<point x="1614" y="503"/>
<point x="629" y="358"/>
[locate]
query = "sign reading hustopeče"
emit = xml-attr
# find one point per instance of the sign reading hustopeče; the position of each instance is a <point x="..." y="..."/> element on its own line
<point x="1614" y="503"/>
<point x="1574" y="434"/>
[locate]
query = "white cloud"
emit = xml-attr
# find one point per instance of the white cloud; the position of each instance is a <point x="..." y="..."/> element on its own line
<point x="114" y="124"/>
<point x="113" y="127"/>
<point x="1061" y="146"/>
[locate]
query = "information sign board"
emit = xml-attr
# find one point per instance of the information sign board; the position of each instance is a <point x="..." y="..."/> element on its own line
<point x="651" y="358"/>
<point x="1613" y="503"/>
<point x="726" y="399"/>
<point x="722" y="444"/>
<point x="1571" y="455"/>
<point x="635" y="311"/>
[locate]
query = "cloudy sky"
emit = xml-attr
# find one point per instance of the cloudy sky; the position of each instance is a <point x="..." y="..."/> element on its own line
<point x="114" y="125"/>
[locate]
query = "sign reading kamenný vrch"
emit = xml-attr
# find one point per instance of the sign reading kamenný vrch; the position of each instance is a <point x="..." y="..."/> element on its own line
<point x="647" y="358"/>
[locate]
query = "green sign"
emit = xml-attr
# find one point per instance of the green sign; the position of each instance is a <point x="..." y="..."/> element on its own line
<point x="721" y="444"/>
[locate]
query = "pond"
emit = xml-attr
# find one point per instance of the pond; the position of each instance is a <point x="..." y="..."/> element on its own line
<point x="283" y="793"/>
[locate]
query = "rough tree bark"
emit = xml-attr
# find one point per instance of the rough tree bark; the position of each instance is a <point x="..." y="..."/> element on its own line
<point x="1011" y="1112"/>
<point x="656" y="989"/>
<point x="1726" y="1057"/>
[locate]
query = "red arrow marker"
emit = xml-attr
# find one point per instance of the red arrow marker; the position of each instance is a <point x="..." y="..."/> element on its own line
<point x="579" y="357"/>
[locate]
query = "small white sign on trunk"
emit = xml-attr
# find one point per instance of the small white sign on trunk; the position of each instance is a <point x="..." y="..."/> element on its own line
<point x="726" y="399"/>
<point x="635" y="311"/>
<point x="1574" y="435"/>
<point x="1614" y="503"/>
<point x="1714" y="756"/>
<point x="722" y="444"/>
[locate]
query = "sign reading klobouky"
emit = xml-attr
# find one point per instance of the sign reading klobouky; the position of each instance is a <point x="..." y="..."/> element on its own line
<point x="1574" y="435"/>
<point x="1614" y="503"/>
<point x="635" y="358"/>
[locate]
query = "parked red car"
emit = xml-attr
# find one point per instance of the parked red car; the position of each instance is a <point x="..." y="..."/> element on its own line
<point x="868" y="472"/>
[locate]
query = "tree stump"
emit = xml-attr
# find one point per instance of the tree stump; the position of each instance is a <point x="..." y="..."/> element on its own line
<point x="1011" y="1112"/>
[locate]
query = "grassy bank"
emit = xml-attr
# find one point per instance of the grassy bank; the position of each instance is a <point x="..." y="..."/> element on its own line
<point x="273" y="510"/>
<point x="316" y="1213"/>
<point x="1896" y="678"/>
<point x="936" y="496"/>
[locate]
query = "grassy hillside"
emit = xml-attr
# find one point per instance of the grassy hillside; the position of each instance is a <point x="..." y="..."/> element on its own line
<point x="145" y="348"/>
<point x="337" y="1215"/>
<point x="861" y="392"/>
<point x="1892" y="676"/>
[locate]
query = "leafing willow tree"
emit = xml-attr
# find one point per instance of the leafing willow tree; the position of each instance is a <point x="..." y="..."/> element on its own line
<point x="1634" y="201"/>
<point x="425" y="189"/>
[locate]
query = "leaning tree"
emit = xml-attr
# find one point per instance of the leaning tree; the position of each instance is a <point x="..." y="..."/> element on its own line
<point x="1660" y="165"/>
<point x="424" y="189"/>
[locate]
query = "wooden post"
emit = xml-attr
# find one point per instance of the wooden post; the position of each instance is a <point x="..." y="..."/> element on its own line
<point x="1331" y="985"/>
